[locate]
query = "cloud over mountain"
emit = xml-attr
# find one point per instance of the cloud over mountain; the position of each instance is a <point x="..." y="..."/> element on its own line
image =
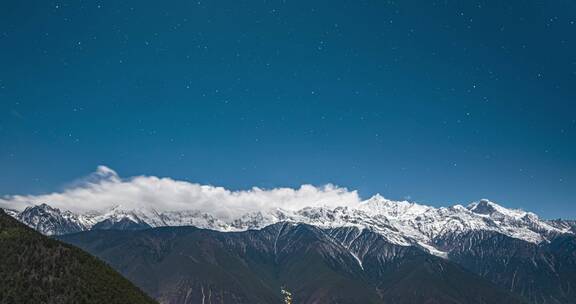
<point x="105" y="188"/>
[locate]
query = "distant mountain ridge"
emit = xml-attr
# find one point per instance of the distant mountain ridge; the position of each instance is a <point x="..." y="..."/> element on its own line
<point x="403" y="223"/>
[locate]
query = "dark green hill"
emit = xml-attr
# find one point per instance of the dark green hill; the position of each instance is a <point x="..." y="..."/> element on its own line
<point x="37" y="269"/>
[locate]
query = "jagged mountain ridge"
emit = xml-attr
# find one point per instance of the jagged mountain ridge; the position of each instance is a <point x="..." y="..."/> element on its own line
<point x="52" y="221"/>
<point x="402" y="223"/>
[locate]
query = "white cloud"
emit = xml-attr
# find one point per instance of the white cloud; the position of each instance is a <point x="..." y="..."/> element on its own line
<point x="104" y="189"/>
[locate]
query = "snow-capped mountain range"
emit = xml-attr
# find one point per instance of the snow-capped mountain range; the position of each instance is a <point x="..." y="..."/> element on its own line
<point x="528" y="256"/>
<point x="400" y="222"/>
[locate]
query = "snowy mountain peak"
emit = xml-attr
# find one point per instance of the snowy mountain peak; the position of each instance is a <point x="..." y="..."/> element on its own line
<point x="43" y="207"/>
<point x="483" y="206"/>
<point x="49" y="220"/>
<point x="381" y="206"/>
<point x="42" y="210"/>
<point x="489" y="208"/>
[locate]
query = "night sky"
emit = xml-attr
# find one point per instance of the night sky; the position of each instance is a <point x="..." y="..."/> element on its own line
<point x="439" y="102"/>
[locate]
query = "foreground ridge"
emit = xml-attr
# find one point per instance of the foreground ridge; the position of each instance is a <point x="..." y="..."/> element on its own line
<point x="37" y="269"/>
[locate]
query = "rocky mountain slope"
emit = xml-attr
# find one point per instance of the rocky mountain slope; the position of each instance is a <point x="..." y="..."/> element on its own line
<point x="341" y="265"/>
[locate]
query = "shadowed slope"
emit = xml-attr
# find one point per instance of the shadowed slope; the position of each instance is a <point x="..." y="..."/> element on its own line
<point x="191" y="265"/>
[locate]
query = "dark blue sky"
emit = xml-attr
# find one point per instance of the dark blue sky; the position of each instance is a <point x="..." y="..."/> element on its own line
<point x="437" y="101"/>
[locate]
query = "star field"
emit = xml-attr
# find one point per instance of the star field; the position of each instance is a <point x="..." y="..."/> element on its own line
<point x="437" y="101"/>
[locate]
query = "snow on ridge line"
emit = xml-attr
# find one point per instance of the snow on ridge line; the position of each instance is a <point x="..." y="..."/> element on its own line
<point x="402" y="223"/>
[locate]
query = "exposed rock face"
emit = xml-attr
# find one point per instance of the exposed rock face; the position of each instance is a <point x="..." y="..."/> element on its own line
<point x="341" y="265"/>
